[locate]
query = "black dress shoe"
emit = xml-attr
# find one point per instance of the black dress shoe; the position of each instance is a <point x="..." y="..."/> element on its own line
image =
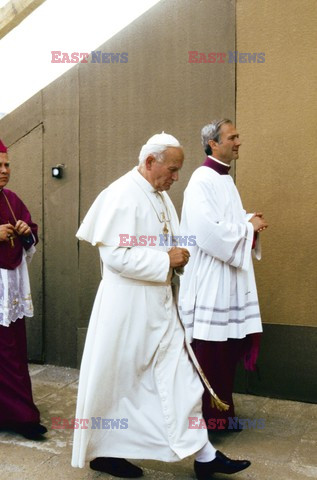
<point x="118" y="467"/>
<point x="221" y="464"/>
<point x="31" y="431"/>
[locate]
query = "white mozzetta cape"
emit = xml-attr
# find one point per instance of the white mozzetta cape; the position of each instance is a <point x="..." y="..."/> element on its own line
<point x="218" y="297"/>
<point x="134" y="365"/>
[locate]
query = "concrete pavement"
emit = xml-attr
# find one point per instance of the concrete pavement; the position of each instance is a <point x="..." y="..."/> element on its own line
<point x="281" y="442"/>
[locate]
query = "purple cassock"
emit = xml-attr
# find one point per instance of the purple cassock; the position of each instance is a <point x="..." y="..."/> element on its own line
<point x="10" y="258"/>
<point x="16" y="402"/>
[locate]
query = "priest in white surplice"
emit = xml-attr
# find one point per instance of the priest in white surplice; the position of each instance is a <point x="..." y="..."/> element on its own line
<point x="138" y="388"/>
<point x="218" y="300"/>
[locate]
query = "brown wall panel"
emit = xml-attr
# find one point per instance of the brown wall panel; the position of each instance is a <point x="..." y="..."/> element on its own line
<point x="22" y="120"/>
<point x="122" y="105"/>
<point x="61" y="146"/>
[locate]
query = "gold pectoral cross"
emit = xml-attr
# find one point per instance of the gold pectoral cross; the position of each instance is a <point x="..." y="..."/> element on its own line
<point x="165" y="229"/>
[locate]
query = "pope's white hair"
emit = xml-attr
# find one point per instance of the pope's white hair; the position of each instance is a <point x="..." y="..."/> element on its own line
<point x="156" y="150"/>
<point x="156" y="146"/>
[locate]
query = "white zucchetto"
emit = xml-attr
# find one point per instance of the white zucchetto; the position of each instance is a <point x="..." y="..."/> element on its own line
<point x="163" y="139"/>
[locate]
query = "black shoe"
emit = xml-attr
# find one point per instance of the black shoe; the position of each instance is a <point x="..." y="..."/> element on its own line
<point x="31" y="431"/>
<point x="118" y="467"/>
<point x="221" y="464"/>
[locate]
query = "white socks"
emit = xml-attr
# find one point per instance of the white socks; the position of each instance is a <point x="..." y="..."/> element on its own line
<point x="206" y="454"/>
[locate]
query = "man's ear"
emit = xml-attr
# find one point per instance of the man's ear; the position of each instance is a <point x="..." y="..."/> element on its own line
<point x="212" y="144"/>
<point x="149" y="162"/>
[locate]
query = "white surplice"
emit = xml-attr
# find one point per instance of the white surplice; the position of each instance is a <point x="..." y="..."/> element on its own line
<point x="135" y="367"/>
<point x="218" y="296"/>
<point x="15" y="291"/>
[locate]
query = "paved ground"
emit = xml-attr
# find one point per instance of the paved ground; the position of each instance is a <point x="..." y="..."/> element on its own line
<point x="285" y="449"/>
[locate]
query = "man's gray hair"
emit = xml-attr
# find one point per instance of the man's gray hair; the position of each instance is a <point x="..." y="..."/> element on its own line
<point x="212" y="132"/>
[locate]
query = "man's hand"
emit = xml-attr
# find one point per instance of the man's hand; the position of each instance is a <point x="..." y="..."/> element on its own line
<point x="178" y="257"/>
<point x="22" y="228"/>
<point x="258" y="222"/>
<point x="6" y="231"/>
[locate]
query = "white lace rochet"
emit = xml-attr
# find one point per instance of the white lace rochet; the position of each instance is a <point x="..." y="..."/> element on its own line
<point x="15" y="291"/>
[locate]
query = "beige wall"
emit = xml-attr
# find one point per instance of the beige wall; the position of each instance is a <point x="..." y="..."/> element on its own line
<point x="277" y="172"/>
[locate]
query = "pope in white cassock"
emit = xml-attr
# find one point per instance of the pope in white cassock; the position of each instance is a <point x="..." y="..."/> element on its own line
<point x="138" y="388"/>
<point x="218" y="300"/>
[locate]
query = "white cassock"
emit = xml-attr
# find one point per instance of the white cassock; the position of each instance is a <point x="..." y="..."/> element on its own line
<point x="218" y="296"/>
<point x="134" y="366"/>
